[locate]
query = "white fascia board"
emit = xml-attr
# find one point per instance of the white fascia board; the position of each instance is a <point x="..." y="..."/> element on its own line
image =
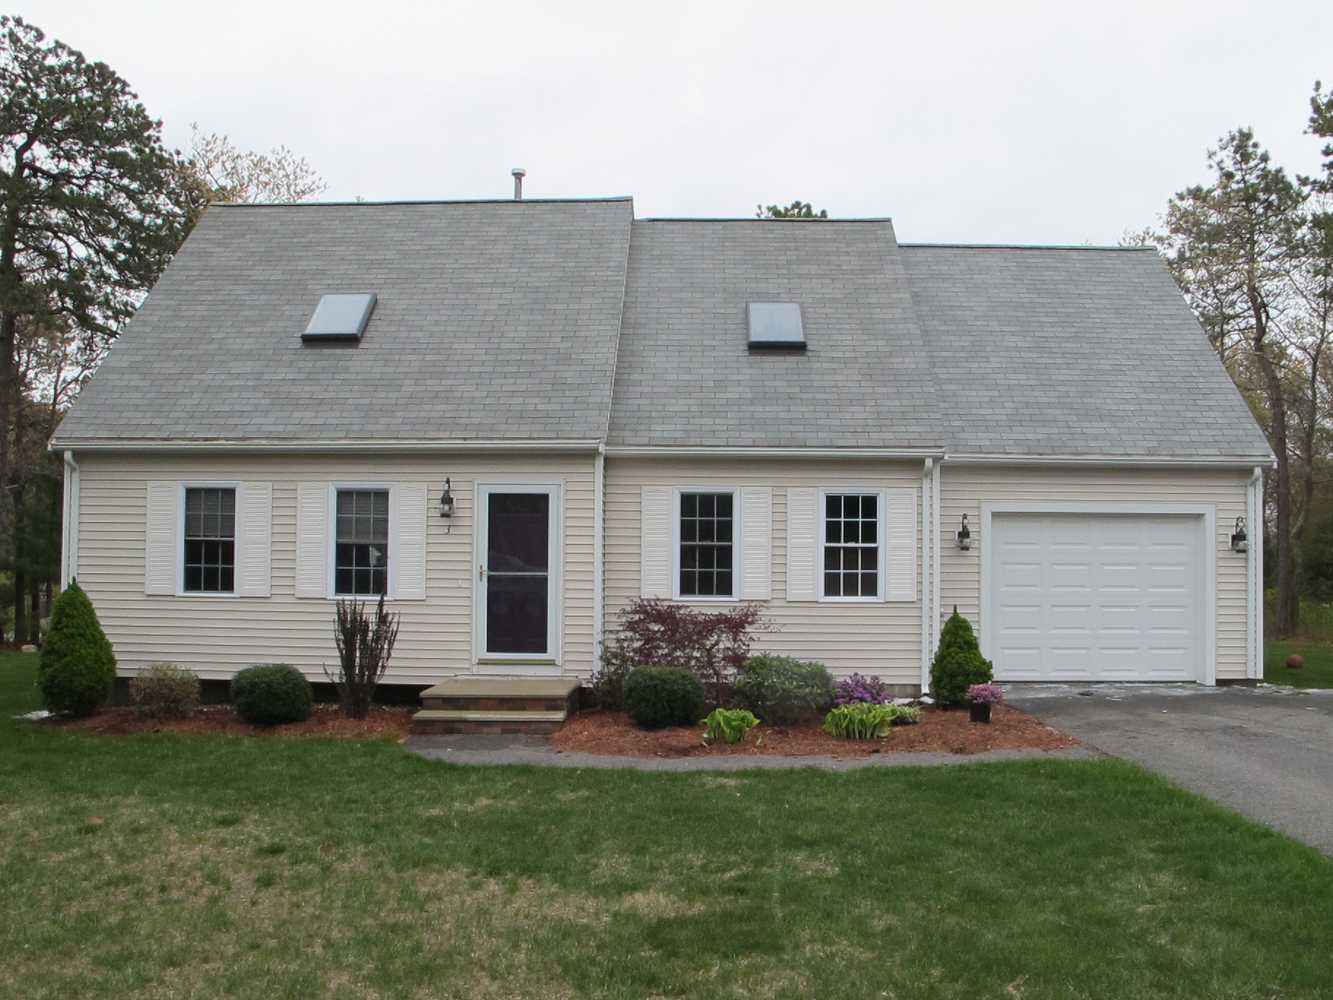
<point x="636" y="451"/>
<point x="328" y="447"/>
<point x="1116" y="461"/>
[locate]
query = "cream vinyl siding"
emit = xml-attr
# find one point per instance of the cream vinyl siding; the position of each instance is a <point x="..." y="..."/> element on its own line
<point x="965" y="488"/>
<point x="881" y="638"/>
<point x="218" y="636"/>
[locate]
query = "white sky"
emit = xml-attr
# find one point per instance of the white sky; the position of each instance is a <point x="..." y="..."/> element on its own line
<point x="1059" y="122"/>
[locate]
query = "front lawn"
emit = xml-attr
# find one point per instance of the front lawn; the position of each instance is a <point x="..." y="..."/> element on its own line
<point x="155" y="866"/>
<point x="1318" y="669"/>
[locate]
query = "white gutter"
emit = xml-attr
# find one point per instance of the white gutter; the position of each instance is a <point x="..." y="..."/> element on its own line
<point x="598" y="549"/>
<point x="317" y="447"/>
<point x="69" y="523"/>
<point x="1118" y="461"/>
<point x="636" y="451"/>
<point x="927" y="544"/>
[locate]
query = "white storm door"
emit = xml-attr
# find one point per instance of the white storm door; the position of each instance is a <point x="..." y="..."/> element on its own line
<point x="518" y="572"/>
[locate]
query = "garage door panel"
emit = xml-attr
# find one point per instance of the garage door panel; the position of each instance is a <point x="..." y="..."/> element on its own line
<point x="1096" y="597"/>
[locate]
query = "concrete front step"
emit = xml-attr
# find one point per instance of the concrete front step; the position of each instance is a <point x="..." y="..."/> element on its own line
<point x="435" y="722"/>
<point x="470" y="704"/>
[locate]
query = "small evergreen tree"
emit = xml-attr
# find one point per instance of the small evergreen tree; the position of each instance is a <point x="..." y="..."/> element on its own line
<point x="77" y="667"/>
<point x="958" y="663"/>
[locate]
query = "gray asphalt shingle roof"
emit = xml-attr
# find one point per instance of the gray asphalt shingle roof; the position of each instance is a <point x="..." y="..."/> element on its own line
<point x="569" y="320"/>
<point x="1055" y="351"/>
<point x="493" y="321"/>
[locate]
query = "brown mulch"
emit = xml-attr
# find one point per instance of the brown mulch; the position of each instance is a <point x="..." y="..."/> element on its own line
<point x="938" y="731"/>
<point x="214" y="720"/>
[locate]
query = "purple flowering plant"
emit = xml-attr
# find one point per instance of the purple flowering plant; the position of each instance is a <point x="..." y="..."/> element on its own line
<point x="857" y="689"/>
<point x="985" y="694"/>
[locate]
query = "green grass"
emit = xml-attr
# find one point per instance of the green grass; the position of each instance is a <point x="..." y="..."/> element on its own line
<point x="1318" y="669"/>
<point x="200" y="867"/>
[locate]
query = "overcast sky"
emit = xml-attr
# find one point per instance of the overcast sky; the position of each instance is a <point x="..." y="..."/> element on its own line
<point x="989" y="122"/>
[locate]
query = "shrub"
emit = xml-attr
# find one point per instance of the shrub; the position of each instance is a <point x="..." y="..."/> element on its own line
<point x="856" y="688"/>
<point x="985" y="694"/>
<point x="860" y="720"/>
<point x="711" y="645"/>
<point x="958" y="663"/>
<point x="365" y="643"/>
<point x="77" y="667"/>
<point x="728" y="724"/>
<point x="165" y="691"/>
<point x="608" y="680"/>
<point x="270" y="694"/>
<point x="782" y="690"/>
<point x="656" y="697"/>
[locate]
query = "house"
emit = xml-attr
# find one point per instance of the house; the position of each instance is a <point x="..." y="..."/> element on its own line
<point x="858" y="434"/>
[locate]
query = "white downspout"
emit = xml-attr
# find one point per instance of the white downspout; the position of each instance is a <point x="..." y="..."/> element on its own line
<point x="936" y="547"/>
<point x="927" y="563"/>
<point x="598" y="549"/>
<point x="69" y="523"/>
<point x="1254" y="516"/>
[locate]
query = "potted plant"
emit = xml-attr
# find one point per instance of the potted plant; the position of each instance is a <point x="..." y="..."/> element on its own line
<point x="981" y="698"/>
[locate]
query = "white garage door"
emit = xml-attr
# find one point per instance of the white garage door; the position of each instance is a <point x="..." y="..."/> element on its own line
<point x="1095" y="597"/>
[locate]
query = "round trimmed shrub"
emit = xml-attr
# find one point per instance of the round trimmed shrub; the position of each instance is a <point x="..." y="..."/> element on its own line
<point x="77" y="667"/>
<point x="958" y="663"/>
<point x="782" y="690"/>
<point x="165" y="691"/>
<point x="270" y="694"/>
<point x="656" y="697"/>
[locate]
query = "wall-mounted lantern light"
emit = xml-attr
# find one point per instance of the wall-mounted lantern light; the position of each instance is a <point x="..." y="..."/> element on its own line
<point x="446" y="501"/>
<point x="964" y="536"/>
<point x="1239" y="542"/>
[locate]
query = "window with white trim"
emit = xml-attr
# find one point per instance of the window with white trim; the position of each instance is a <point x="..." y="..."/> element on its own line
<point x="852" y="540"/>
<point x="210" y="540"/>
<point x="707" y="535"/>
<point x="361" y="543"/>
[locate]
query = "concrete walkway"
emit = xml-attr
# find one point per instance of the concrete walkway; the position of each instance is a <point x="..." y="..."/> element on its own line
<point x="536" y="750"/>
<point x="1266" y="752"/>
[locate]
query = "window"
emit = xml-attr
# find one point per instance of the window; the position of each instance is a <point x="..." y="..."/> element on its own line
<point x="706" y="536"/>
<point x="851" y="545"/>
<point x="361" y="547"/>
<point x="210" y="540"/>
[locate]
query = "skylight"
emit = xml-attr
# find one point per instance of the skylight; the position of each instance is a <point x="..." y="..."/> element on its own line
<point x="340" y="317"/>
<point x="776" y="326"/>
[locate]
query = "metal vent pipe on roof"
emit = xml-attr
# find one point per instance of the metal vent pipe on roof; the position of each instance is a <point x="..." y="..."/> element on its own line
<point x="519" y="173"/>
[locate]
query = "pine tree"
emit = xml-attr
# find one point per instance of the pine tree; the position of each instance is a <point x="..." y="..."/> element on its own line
<point x="958" y="663"/>
<point x="77" y="667"/>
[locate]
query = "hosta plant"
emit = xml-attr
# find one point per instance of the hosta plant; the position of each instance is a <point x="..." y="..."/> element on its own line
<point x="859" y="721"/>
<point x="729" y="725"/>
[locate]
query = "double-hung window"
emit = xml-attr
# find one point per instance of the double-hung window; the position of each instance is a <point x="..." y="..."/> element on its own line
<point x="852" y="546"/>
<point x="707" y="541"/>
<point x="210" y="540"/>
<point x="361" y="545"/>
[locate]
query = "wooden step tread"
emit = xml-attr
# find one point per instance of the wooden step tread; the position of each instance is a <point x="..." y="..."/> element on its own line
<point x="502" y="687"/>
<point x="484" y="715"/>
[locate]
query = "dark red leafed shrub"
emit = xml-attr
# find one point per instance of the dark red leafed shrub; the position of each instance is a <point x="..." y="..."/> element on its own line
<point x="712" y="645"/>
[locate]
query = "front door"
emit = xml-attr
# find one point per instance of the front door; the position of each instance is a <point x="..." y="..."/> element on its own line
<point x="517" y="573"/>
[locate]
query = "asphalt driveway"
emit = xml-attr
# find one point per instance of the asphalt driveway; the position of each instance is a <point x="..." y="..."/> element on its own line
<point x="1265" y="752"/>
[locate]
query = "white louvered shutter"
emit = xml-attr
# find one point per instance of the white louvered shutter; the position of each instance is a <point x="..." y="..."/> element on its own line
<point x="900" y="533"/>
<point x="655" y="534"/>
<point x="802" y="544"/>
<point x="312" y="540"/>
<point x="160" y="536"/>
<point x="254" y="529"/>
<point x="407" y="551"/>
<point x="756" y="543"/>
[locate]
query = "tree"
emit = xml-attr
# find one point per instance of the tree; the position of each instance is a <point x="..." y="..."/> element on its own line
<point x="77" y="666"/>
<point x="91" y="203"/>
<point x="796" y="210"/>
<point x="217" y="171"/>
<point x="1236" y="247"/>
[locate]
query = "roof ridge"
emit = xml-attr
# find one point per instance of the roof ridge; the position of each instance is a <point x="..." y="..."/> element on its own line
<point x="741" y="218"/>
<point x="420" y="201"/>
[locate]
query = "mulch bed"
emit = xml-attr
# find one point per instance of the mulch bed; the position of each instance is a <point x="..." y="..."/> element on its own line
<point x="938" y="731"/>
<point x="214" y="720"/>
